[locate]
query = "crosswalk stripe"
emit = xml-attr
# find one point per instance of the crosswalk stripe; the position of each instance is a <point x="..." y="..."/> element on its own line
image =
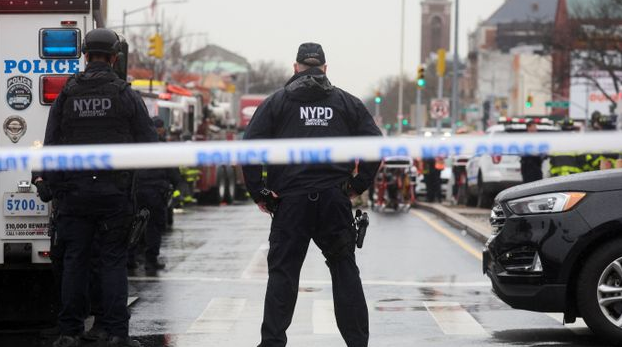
<point x="258" y="266"/>
<point x="303" y="282"/>
<point x="131" y="300"/>
<point x="219" y="316"/>
<point x="324" y="317"/>
<point x="579" y="327"/>
<point x="453" y="319"/>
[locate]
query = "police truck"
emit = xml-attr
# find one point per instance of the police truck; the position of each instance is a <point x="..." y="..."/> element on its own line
<point x="40" y="48"/>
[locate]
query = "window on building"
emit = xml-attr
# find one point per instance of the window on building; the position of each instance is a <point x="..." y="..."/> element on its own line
<point x="436" y="28"/>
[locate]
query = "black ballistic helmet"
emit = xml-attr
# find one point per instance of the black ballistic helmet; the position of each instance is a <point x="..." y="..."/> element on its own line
<point x="101" y="40"/>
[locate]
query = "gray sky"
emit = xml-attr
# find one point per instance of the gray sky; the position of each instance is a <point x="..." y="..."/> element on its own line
<point x="360" y="37"/>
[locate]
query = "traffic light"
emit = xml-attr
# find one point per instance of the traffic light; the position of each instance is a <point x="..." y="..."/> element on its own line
<point x="404" y="121"/>
<point x="421" y="77"/>
<point x="529" y="102"/>
<point x="378" y="99"/>
<point x="156" y="46"/>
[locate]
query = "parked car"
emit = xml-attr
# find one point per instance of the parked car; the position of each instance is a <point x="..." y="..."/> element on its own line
<point x="557" y="247"/>
<point x="487" y="174"/>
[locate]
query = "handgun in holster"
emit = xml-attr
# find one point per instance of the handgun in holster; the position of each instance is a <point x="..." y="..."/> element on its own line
<point x="361" y="222"/>
<point x="139" y="224"/>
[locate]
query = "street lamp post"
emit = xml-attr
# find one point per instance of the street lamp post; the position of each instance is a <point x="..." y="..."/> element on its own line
<point x="400" y="93"/>
<point x="455" y="102"/>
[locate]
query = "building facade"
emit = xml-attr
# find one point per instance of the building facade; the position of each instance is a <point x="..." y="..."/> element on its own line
<point x="435" y="27"/>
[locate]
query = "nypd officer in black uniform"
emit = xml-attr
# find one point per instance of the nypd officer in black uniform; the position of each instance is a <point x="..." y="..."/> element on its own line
<point x="95" y="107"/>
<point x="313" y="200"/>
<point x="153" y="187"/>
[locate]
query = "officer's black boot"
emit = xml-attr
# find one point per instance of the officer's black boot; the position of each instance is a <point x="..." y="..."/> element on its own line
<point x="96" y="333"/>
<point x="153" y="265"/>
<point x="67" y="341"/>
<point x="117" y="341"/>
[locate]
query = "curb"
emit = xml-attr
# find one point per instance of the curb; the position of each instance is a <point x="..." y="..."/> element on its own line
<point x="476" y="230"/>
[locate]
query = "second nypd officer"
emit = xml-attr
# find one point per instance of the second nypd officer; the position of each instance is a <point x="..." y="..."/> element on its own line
<point x="314" y="199"/>
<point x="96" y="107"/>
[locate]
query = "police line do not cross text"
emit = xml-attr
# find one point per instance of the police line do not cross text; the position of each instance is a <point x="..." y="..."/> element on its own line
<point x="297" y="151"/>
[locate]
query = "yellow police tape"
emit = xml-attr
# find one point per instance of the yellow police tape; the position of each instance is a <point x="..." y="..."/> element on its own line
<point x="296" y="151"/>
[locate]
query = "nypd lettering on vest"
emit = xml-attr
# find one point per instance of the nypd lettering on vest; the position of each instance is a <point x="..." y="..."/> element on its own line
<point x="92" y="107"/>
<point x="19" y="92"/>
<point x="36" y="66"/>
<point x="316" y="116"/>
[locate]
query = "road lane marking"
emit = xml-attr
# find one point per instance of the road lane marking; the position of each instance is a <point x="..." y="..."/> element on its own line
<point x="453" y="319"/>
<point x="258" y="266"/>
<point x="219" y="316"/>
<point x="324" y="322"/>
<point x="579" y="327"/>
<point x="304" y="283"/>
<point x="453" y="237"/>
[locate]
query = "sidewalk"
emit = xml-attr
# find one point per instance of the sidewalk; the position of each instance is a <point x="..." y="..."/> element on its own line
<point x="479" y="230"/>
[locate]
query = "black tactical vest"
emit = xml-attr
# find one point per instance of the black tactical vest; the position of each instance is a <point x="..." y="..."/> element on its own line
<point x="93" y="113"/>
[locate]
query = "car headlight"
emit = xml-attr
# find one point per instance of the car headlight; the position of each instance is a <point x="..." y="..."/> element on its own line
<point x="545" y="203"/>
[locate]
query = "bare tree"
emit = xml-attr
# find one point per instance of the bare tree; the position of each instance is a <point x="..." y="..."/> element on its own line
<point x="591" y="46"/>
<point x="266" y="77"/>
<point x="172" y="34"/>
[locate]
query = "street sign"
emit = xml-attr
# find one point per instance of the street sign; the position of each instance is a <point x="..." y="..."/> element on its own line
<point x="557" y="104"/>
<point x="439" y="108"/>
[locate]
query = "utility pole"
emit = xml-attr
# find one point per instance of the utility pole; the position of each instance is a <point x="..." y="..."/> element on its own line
<point x="418" y="113"/>
<point x="455" y="102"/>
<point x="400" y="93"/>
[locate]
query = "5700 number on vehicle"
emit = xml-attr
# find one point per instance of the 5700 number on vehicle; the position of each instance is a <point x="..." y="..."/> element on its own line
<point x="23" y="204"/>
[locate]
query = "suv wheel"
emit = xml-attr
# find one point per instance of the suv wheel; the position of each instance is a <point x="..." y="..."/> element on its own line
<point x="599" y="291"/>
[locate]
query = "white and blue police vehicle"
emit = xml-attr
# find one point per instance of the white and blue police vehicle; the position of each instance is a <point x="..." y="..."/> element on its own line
<point x="40" y="48"/>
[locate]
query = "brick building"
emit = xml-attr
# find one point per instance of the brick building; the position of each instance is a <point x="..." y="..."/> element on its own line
<point x="435" y="27"/>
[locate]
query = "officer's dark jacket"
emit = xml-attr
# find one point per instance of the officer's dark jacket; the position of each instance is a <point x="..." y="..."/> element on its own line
<point x="309" y="106"/>
<point x="119" y="115"/>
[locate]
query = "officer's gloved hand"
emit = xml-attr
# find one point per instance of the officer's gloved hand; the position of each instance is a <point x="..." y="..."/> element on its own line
<point x="269" y="201"/>
<point x="44" y="191"/>
<point x="354" y="187"/>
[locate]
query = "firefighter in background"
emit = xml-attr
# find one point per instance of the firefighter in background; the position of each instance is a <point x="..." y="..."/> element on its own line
<point x="601" y="161"/>
<point x="563" y="164"/>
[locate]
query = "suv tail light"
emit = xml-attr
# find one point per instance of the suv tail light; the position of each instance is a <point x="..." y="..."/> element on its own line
<point x="496" y="159"/>
<point x="51" y="86"/>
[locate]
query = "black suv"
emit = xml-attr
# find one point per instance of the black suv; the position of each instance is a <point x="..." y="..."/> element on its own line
<point x="557" y="247"/>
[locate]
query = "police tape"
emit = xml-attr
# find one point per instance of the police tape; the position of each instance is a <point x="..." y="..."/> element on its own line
<point x="297" y="151"/>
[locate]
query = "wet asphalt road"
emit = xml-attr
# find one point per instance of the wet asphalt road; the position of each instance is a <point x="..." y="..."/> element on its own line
<point x="422" y="279"/>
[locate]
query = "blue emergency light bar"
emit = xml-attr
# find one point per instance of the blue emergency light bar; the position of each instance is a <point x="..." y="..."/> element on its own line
<point x="59" y="43"/>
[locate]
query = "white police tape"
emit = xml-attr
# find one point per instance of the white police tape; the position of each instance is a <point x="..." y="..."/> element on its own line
<point x="297" y="151"/>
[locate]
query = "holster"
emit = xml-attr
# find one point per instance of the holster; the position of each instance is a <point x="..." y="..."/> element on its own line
<point x="139" y="224"/>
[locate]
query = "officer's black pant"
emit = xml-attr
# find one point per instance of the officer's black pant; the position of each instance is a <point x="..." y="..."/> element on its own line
<point x="433" y="185"/>
<point x="153" y="200"/>
<point x="57" y="254"/>
<point x="76" y="231"/>
<point x="326" y="218"/>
